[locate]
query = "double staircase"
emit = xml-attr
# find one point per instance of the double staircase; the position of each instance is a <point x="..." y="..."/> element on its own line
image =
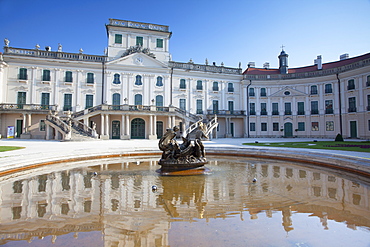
<point x="70" y="129"/>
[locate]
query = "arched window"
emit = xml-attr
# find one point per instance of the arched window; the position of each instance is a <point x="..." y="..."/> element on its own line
<point x="138" y="99"/>
<point x="263" y="92"/>
<point x="159" y="81"/>
<point x="116" y="79"/>
<point x="138" y="80"/>
<point x="116" y="101"/>
<point x="199" y="85"/>
<point x="328" y="88"/>
<point x="215" y="86"/>
<point x="314" y="89"/>
<point x="230" y="87"/>
<point x="159" y="100"/>
<point x="182" y="84"/>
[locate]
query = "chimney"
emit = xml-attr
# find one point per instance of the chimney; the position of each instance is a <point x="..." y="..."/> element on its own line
<point x="251" y="65"/>
<point x="344" y="56"/>
<point x="266" y="65"/>
<point x="318" y="62"/>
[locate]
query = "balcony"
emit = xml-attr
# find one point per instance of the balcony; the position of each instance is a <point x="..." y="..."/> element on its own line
<point x="300" y="113"/>
<point x="329" y="111"/>
<point x="350" y="87"/>
<point x="227" y="112"/>
<point x="26" y="107"/>
<point x="199" y="111"/>
<point x="352" y="109"/>
<point x="275" y="113"/>
<point x="252" y="112"/>
<point x="314" y="112"/>
<point x="251" y="94"/>
<point x="287" y="112"/>
<point x="199" y="87"/>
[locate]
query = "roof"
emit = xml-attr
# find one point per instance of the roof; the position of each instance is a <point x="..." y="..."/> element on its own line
<point x="311" y="68"/>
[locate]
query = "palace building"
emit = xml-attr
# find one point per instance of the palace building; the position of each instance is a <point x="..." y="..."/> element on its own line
<point x="136" y="91"/>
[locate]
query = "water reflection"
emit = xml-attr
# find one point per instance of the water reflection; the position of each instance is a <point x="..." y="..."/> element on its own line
<point x="119" y="203"/>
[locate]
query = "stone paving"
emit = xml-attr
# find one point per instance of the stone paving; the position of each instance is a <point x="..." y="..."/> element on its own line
<point x="39" y="151"/>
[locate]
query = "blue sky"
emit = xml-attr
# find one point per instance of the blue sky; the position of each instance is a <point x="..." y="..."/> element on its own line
<point x="229" y="31"/>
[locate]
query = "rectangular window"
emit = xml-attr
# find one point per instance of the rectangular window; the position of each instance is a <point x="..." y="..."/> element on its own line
<point x="215" y="106"/>
<point x="230" y="88"/>
<point x="118" y="38"/>
<point x="300" y="108"/>
<point x="21" y="100"/>
<point x="252" y="109"/>
<point x="352" y="104"/>
<point x="183" y="104"/>
<point x="182" y="84"/>
<point x="199" y="106"/>
<point x="252" y="126"/>
<point x="314" y="89"/>
<point x="328" y="88"/>
<point x="42" y="125"/>
<point x="139" y="41"/>
<point x="314" y="107"/>
<point x="288" y="108"/>
<point x="329" y="125"/>
<point x="328" y="106"/>
<point x="275" y="108"/>
<point x="46" y="75"/>
<point x="67" y="102"/>
<point x="159" y="43"/>
<point x="315" y="126"/>
<point x="251" y="92"/>
<point x="263" y="126"/>
<point x="22" y="74"/>
<point x="90" y="78"/>
<point x="368" y="103"/>
<point x="263" y="92"/>
<point x="45" y="100"/>
<point x="68" y="76"/>
<point x="301" y="126"/>
<point x="275" y="126"/>
<point x="89" y="101"/>
<point x="351" y="85"/>
<point x="231" y="106"/>
<point x="263" y="109"/>
<point x="199" y="85"/>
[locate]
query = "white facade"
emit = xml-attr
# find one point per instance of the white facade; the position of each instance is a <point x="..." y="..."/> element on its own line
<point x="136" y="91"/>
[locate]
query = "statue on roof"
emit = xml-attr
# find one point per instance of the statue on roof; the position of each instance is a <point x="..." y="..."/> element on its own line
<point x="6" y="42"/>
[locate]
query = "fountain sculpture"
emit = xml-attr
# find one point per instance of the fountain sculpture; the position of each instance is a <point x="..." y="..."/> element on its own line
<point x="187" y="156"/>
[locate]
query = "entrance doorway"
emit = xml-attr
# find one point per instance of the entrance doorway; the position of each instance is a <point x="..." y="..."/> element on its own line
<point x="19" y="128"/>
<point x="288" y="130"/>
<point x="116" y="126"/>
<point x="137" y="128"/>
<point x="159" y="129"/>
<point x="353" y="129"/>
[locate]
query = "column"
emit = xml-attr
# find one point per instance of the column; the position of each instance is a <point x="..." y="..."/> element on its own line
<point x="107" y="125"/>
<point x="173" y="122"/>
<point x="151" y="128"/>
<point x="155" y="126"/>
<point x="169" y="122"/>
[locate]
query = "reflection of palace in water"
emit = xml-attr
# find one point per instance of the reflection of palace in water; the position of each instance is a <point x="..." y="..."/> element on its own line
<point x="120" y="203"/>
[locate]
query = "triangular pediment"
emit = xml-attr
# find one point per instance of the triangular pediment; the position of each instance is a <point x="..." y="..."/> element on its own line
<point x="137" y="60"/>
<point x="287" y="92"/>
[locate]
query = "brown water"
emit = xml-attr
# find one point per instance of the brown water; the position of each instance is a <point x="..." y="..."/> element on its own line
<point x="288" y="205"/>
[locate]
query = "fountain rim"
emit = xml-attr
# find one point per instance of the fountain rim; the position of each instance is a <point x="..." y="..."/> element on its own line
<point x="346" y="163"/>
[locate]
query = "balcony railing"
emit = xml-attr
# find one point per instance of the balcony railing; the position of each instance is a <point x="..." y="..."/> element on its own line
<point x="352" y="109"/>
<point x="230" y="89"/>
<point x="252" y="112"/>
<point x="329" y="111"/>
<point x="31" y="107"/>
<point x="215" y="89"/>
<point x="275" y="112"/>
<point x="300" y="113"/>
<point x="287" y="112"/>
<point x="226" y="112"/>
<point x="263" y="112"/>
<point x="314" y="112"/>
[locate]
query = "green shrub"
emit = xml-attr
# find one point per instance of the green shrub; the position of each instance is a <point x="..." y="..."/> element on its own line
<point x="339" y="138"/>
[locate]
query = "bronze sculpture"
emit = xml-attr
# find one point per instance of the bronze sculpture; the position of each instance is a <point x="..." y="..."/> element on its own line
<point x="184" y="156"/>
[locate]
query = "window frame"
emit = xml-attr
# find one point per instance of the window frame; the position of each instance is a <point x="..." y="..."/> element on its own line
<point x="118" y="38"/>
<point x="90" y="78"/>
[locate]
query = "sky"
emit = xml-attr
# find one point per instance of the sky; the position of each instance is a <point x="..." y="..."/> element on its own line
<point x="228" y="31"/>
